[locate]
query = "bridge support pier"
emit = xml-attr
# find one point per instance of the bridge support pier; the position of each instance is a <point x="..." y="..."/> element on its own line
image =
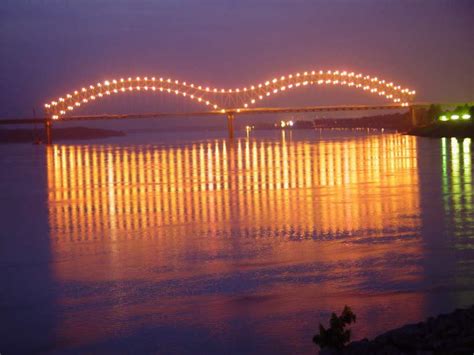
<point x="48" y="128"/>
<point x="412" y="112"/>
<point x="230" y="124"/>
<point x="416" y="116"/>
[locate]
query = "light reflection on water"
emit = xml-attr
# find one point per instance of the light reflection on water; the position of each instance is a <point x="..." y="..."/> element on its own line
<point x="457" y="185"/>
<point x="212" y="247"/>
<point x="280" y="189"/>
<point x="251" y="240"/>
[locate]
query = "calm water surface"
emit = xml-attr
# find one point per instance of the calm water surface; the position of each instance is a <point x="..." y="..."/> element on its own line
<point x="166" y="244"/>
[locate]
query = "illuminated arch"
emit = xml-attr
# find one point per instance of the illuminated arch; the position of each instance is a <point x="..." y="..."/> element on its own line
<point x="392" y="92"/>
<point x="223" y="99"/>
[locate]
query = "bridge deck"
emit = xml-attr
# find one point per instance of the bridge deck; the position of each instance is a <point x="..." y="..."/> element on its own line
<point x="240" y="111"/>
<point x="261" y="110"/>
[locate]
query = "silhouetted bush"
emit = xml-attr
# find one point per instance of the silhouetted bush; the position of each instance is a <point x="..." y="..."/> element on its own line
<point x="336" y="335"/>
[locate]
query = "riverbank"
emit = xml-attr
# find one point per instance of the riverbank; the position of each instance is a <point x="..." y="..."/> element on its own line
<point x="451" y="333"/>
<point x="70" y="133"/>
<point x="439" y="130"/>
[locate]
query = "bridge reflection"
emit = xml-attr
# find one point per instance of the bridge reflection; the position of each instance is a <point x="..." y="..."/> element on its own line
<point x="200" y="236"/>
<point x="279" y="188"/>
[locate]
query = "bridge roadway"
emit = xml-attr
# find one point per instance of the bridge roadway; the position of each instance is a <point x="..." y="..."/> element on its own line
<point x="258" y="110"/>
<point x="230" y="113"/>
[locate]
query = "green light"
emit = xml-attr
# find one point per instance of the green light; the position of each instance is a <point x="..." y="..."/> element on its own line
<point x="443" y="118"/>
<point x="454" y="117"/>
<point x="466" y="116"/>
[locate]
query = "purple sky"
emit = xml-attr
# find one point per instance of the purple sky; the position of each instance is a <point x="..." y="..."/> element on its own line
<point x="51" y="47"/>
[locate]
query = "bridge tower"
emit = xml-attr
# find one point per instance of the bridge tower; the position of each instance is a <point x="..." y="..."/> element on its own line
<point x="230" y="124"/>
<point x="48" y="128"/>
<point x="419" y="116"/>
<point x="413" y="116"/>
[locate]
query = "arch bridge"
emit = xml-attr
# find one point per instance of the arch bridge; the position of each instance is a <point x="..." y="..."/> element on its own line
<point x="229" y="101"/>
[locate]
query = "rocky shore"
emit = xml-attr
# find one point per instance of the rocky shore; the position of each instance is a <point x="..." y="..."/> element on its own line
<point x="451" y="333"/>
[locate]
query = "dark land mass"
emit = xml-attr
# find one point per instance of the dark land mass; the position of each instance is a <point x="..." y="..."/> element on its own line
<point x="70" y="133"/>
<point x="451" y="333"/>
<point x="395" y="121"/>
<point x="445" y="129"/>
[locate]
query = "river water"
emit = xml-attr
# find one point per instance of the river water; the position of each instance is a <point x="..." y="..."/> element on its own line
<point x="168" y="243"/>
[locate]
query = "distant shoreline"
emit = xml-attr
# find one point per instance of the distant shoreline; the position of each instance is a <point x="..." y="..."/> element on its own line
<point x="71" y="133"/>
<point x="436" y="130"/>
<point x="395" y="121"/>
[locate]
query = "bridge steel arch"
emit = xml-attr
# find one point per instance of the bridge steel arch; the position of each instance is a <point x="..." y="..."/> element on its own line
<point x="231" y="98"/>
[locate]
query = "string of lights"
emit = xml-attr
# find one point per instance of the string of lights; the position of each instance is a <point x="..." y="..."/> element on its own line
<point x="225" y="99"/>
